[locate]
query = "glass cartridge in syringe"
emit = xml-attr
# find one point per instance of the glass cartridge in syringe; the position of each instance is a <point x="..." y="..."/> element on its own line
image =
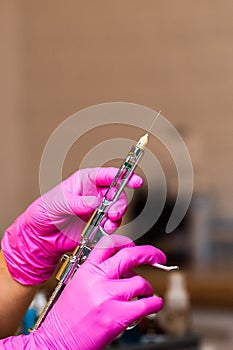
<point x="117" y="186"/>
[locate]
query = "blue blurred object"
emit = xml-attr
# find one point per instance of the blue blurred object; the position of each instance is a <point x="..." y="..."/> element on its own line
<point x="29" y="320"/>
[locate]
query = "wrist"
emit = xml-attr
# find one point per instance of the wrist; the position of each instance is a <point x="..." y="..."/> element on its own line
<point x="12" y="312"/>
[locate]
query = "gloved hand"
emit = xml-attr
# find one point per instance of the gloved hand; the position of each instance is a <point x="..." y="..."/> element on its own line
<point x="52" y="224"/>
<point x="96" y="305"/>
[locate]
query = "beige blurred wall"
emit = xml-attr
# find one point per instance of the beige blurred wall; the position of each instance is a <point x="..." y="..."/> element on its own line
<point x="58" y="57"/>
<point x="12" y="144"/>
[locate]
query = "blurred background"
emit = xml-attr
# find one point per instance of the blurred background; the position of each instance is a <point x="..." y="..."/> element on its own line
<point x="59" y="57"/>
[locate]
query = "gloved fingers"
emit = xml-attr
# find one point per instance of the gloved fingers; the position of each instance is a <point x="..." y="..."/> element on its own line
<point x="105" y="176"/>
<point x="107" y="246"/>
<point x="111" y="226"/>
<point x="128" y="258"/>
<point x="129" y="288"/>
<point x="81" y="205"/>
<point x="85" y="204"/>
<point x="130" y="273"/>
<point x="118" y="208"/>
<point x="136" y="309"/>
<point x="135" y="181"/>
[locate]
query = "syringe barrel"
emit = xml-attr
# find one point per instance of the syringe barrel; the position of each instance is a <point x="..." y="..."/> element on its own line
<point x="123" y="175"/>
<point x="114" y="191"/>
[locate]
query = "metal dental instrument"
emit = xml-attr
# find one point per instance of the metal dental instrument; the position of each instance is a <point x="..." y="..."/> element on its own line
<point x="93" y="231"/>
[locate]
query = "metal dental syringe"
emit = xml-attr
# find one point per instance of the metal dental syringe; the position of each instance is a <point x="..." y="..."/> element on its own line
<point x="93" y="231"/>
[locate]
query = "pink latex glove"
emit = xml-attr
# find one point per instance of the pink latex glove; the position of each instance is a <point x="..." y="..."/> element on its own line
<point x="52" y="224"/>
<point x="96" y="305"/>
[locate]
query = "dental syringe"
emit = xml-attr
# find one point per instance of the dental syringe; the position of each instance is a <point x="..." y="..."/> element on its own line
<point x="93" y="231"/>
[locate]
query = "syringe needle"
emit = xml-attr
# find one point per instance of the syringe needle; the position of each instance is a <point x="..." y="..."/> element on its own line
<point x="154" y="121"/>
